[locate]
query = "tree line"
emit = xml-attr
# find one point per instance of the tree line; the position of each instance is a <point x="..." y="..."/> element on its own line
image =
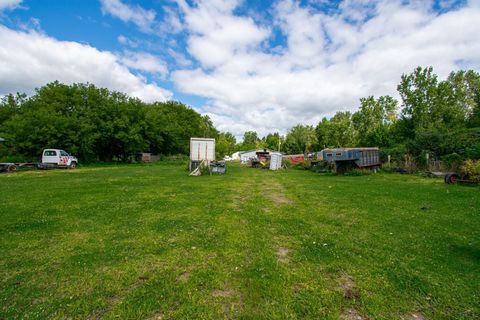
<point x="441" y="118"/>
<point x="96" y="124"/>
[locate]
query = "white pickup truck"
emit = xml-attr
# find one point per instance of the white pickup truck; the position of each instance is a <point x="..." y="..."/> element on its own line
<point x="53" y="158"/>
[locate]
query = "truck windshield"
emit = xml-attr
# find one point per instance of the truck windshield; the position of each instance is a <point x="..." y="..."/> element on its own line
<point x="63" y="153"/>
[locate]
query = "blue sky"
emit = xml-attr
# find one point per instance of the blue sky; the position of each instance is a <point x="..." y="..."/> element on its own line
<point x="249" y="65"/>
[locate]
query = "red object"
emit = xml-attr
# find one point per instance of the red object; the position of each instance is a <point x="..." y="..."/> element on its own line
<point x="294" y="158"/>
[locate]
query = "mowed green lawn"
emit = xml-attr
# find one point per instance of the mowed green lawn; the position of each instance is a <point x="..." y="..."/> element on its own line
<point x="150" y="242"/>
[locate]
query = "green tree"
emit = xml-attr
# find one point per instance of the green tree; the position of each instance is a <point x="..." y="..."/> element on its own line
<point x="337" y="132"/>
<point x="300" y="139"/>
<point x="433" y="105"/>
<point x="374" y="119"/>
<point x="273" y="141"/>
<point x="466" y="90"/>
<point x="250" y="137"/>
<point x="250" y="140"/>
<point x="225" y="144"/>
<point x="98" y="124"/>
<point x="418" y="91"/>
<point x="180" y="123"/>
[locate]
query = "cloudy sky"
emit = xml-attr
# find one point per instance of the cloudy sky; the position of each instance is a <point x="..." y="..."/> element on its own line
<point x="249" y="65"/>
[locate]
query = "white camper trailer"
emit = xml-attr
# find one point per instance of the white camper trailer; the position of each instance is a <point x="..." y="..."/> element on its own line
<point x="201" y="149"/>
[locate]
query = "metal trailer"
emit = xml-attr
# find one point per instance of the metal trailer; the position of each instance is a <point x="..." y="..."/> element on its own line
<point x="454" y="178"/>
<point x="8" y="167"/>
<point x="349" y="158"/>
<point x="13" y="167"/>
<point x="201" y="150"/>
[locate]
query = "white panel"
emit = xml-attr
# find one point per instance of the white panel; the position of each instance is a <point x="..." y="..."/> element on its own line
<point x="202" y="149"/>
<point x="275" y="161"/>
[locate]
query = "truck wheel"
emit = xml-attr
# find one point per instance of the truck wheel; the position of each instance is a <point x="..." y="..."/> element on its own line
<point x="73" y="165"/>
<point x="452" y="178"/>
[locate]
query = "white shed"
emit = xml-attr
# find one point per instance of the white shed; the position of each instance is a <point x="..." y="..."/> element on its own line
<point x="247" y="155"/>
<point x="275" y="160"/>
<point x="236" y="155"/>
<point x="202" y="149"/>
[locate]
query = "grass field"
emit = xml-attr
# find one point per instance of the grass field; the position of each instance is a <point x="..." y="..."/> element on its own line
<point x="149" y="242"/>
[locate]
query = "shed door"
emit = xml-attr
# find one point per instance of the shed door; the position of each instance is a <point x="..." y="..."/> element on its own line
<point x="275" y="162"/>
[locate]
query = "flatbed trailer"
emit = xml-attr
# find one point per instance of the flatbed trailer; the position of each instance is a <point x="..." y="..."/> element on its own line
<point x="14" y="166"/>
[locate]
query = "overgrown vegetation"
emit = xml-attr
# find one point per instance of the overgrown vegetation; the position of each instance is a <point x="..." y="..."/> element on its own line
<point x="150" y="242"/>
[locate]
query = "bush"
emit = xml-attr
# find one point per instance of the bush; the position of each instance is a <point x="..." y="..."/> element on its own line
<point x="452" y="161"/>
<point x="287" y="163"/>
<point x="304" y="165"/>
<point x="473" y="152"/>
<point x="322" y="166"/>
<point x="174" y="158"/>
<point x="388" y="167"/>
<point x="396" y="153"/>
<point x="471" y="168"/>
<point x="205" y="169"/>
<point x="18" y="158"/>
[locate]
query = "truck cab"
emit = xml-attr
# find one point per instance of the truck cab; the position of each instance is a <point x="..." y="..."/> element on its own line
<point x="52" y="158"/>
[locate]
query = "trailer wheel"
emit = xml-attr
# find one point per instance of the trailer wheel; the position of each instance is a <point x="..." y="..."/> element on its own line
<point x="452" y="178"/>
<point x="12" y="168"/>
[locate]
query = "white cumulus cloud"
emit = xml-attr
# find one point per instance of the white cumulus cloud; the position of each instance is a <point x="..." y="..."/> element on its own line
<point x="328" y="60"/>
<point x="9" y="4"/>
<point x="139" y="16"/>
<point x="31" y="59"/>
<point x="144" y="61"/>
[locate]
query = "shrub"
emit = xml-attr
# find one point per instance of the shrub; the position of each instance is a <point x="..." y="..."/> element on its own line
<point x="388" y="167"/>
<point x="174" y="158"/>
<point x="396" y="153"/>
<point x="304" y="165"/>
<point x="472" y="169"/>
<point x="473" y="151"/>
<point x="287" y="163"/>
<point x="322" y="166"/>
<point x="452" y="161"/>
<point x="205" y="169"/>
